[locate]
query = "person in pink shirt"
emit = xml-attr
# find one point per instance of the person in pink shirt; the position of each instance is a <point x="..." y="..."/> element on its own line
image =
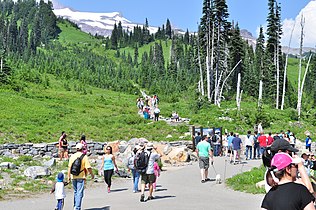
<point x="262" y="142"/>
<point x="270" y="139"/>
<point x="157" y="173"/>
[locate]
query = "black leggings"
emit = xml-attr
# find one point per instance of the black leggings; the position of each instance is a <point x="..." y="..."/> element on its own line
<point x="107" y="176"/>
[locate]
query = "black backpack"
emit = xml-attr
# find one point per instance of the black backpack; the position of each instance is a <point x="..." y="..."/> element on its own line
<point x="76" y="166"/>
<point x="141" y="161"/>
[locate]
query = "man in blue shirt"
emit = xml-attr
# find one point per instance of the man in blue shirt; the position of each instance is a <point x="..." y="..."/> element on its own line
<point x="237" y="144"/>
<point x="204" y="152"/>
<point x="230" y="146"/>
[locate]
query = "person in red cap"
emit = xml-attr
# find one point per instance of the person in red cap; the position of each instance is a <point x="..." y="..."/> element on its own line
<point x="285" y="192"/>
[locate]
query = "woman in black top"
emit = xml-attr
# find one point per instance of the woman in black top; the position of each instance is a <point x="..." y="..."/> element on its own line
<point x="285" y="193"/>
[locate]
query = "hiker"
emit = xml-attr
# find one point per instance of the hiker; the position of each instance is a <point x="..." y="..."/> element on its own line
<point x="278" y="146"/>
<point x="237" y="145"/>
<point x="308" y="142"/>
<point x="63" y="146"/>
<point x="230" y="146"/>
<point x="256" y="146"/>
<point x="78" y="181"/>
<point x="157" y="174"/>
<point x="197" y="138"/>
<point x="131" y="167"/>
<point x="59" y="190"/>
<point x="149" y="176"/>
<point x="175" y="116"/>
<point x="249" y="144"/>
<point x="262" y="139"/>
<point x="285" y="193"/>
<point x="156" y="113"/>
<point x="204" y="153"/>
<point x="108" y="164"/>
<point x="84" y="143"/>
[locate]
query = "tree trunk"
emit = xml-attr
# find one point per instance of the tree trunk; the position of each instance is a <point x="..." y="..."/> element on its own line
<point x="201" y="71"/>
<point x="299" y="93"/>
<point x="285" y="69"/>
<point x="260" y="93"/>
<point x="238" y="94"/>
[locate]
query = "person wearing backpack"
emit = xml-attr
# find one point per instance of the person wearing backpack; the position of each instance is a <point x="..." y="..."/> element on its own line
<point x="131" y="167"/>
<point x="77" y="172"/>
<point x="108" y="164"/>
<point x="148" y="177"/>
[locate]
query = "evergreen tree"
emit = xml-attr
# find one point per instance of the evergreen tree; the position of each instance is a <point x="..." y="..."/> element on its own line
<point x="168" y="29"/>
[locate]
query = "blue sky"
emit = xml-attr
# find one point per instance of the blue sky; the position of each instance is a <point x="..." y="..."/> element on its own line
<point x="186" y="13"/>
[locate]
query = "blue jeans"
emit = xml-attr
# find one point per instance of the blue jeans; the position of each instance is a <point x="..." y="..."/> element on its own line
<point x="249" y="151"/>
<point x="78" y="185"/>
<point x="136" y="176"/>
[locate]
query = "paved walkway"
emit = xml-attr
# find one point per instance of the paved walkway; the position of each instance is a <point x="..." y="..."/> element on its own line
<point x="178" y="189"/>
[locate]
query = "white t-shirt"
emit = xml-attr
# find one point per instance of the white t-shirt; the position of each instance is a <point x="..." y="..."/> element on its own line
<point x="249" y="141"/>
<point x="59" y="190"/>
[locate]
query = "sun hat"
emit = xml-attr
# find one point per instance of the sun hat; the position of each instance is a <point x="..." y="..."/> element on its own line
<point x="79" y="146"/>
<point x="60" y="177"/>
<point x="282" y="144"/>
<point x="150" y="145"/>
<point x="282" y="160"/>
<point x="305" y="152"/>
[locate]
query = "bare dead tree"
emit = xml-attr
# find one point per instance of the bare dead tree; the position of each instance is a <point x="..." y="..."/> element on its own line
<point x="285" y="69"/>
<point x="239" y="93"/>
<point x="299" y="90"/>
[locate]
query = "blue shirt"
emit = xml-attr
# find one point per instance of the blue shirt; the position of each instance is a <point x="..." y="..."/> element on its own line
<point x="230" y="140"/>
<point x="236" y="143"/>
<point x="308" y="141"/>
<point x="108" y="162"/>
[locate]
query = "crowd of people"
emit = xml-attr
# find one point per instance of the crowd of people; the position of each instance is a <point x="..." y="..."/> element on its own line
<point x="148" y="176"/>
<point x="289" y="179"/>
<point x="149" y="107"/>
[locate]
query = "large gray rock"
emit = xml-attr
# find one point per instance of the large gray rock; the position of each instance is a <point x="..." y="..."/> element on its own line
<point x="50" y="163"/>
<point x="8" y="165"/>
<point x="37" y="171"/>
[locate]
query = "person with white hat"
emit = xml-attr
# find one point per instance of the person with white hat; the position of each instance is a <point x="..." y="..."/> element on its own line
<point x="149" y="176"/>
<point x="285" y="193"/>
<point x="78" y="181"/>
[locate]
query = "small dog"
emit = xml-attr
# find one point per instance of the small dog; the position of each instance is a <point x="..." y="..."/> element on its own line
<point x="218" y="179"/>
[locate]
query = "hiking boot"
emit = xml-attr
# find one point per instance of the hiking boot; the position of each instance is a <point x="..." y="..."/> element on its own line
<point x="142" y="198"/>
<point x="150" y="198"/>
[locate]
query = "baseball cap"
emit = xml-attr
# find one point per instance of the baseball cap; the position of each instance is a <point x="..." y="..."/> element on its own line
<point x="282" y="160"/>
<point x="79" y="146"/>
<point x="150" y="145"/>
<point x="60" y="177"/>
<point x="282" y="144"/>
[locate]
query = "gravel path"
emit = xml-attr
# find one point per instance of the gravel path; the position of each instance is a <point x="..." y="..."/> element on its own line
<point x="178" y="189"/>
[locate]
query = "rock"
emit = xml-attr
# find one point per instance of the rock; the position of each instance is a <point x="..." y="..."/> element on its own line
<point x="260" y="184"/>
<point x="115" y="146"/>
<point x="8" y="165"/>
<point x="179" y="154"/>
<point x="50" y="163"/>
<point x="36" y="171"/>
<point x="167" y="149"/>
<point x="169" y="136"/>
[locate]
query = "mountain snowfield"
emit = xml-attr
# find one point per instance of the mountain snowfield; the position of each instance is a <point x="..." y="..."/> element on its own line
<point x="98" y="23"/>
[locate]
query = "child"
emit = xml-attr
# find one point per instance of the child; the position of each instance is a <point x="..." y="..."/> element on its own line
<point x="58" y="188"/>
<point x="157" y="173"/>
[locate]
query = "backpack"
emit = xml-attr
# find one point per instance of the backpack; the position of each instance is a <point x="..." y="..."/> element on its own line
<point x="141" y="161"/>
<point x="76" y="166"/>
<point x="130" y="162"/>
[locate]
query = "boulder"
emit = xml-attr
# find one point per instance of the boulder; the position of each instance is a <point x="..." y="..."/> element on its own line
<point x="50" y="163"/>
<point x="167" y="149"/>
<point x="8" y="165"/>
<point x="37" y="171"/>
<point x="115" y="146"/>
<point x="260" y="184"/>
<point x="179" y="154"/>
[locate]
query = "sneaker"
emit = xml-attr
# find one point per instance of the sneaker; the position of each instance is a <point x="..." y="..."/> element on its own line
<point x="150" y="198"/>
<point x="207" y="179"/>
<point x="109" y="190"/>
<point x="202" y="181"/>
<point x="142" y="198"/>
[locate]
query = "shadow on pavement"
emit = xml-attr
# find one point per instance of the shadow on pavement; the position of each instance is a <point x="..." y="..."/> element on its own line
<point x="163" y="197"/>
<point x="102" y="208"/>
<point x="159" y="190"/>
<point x="119" y="190"/>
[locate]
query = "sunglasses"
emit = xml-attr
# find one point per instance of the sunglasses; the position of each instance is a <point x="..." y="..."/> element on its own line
<point x="294" y="165"/>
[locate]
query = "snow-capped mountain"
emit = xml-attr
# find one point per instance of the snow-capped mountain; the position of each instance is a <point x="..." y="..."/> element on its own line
<point x="98" y="23"/>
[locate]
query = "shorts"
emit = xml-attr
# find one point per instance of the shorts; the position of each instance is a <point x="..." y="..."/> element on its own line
<point x="63" y="149"/>
<point x="204" y="162"/>
<point x="148" y="178"/>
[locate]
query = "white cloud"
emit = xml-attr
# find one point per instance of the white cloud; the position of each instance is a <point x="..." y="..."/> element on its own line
<point x="309" y="13"/>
